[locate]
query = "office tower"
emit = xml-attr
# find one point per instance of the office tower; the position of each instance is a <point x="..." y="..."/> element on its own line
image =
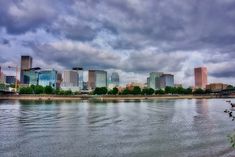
<point x="70" y="78"/>
<point x="10" y="79"/>
<point x="48" y="78"/>
<point x="154" y="80"/>
<point x="166" y="80"/>
<point x="26" y="64"/>
<point x="80" y="76"/>
<point x="97" y="78"/>
<point x="115" y="79"/>
<point x="200" y="77"/>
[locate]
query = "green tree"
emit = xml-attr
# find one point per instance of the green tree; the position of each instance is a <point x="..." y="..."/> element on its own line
<point x="100" y="91"/>
<point x="188" y="91"/>
<point x="148" y="91"/>
<point x="199" y="91"/>
<point x="126" y="91"/>
<point x="110" y="92"/>
<point x="168" y="90"/>
<point x="115" y="91"/>
<point x="48" y="90"/>
<point x="180" y="90"/>
<point x="68" y="92"/>
<point x="38" y="89"/>
<point x="230" y="87"/>
<point x="160" y="92"/>
<point x="136" y="90"/>
<point x="26" y="90"/>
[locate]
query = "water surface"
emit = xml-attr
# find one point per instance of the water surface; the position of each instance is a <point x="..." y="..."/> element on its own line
<point x="163" y="128"/>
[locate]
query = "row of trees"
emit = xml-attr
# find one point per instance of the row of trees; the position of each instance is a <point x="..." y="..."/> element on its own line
<point x="103" y="91"/>
<point x="43" y="90"/>
<point x="148" y="91"/>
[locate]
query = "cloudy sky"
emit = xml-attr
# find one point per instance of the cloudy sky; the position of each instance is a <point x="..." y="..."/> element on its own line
<point x="132" y="37"/>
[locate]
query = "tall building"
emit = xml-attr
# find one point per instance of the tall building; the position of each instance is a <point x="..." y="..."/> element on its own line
<point x="48" y="78"/>
<point x="200" y="77"/>
<point x="80" y="76"/>
<point x="115" y="79"/>
<point x="70" y="78"/>
<point x="26" y="64"/>
<point x="97" y="78"/>
<point x="154" y="80"/>
<point x="166" y="80"/>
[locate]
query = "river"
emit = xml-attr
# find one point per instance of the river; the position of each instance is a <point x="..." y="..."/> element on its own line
<point x="161" y="128"/>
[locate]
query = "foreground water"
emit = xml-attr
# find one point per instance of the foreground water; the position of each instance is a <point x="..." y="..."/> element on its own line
<point x="163" y="128"/>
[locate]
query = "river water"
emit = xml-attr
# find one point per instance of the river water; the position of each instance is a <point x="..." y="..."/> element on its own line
<point x="161" y="128"/>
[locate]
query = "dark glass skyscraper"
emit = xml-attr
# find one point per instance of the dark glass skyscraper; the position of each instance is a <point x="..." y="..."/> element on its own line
<point x="115" y="79"/>
<point x="26" y="64"/>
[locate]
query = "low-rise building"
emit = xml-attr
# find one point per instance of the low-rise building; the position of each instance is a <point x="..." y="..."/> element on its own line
<point x="10" y="79"/>
<point x="216" y="87"/>
<point x="130" y="86"/>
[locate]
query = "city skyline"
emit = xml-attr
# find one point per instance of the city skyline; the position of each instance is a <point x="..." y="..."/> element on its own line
<point x="132" y="38"/>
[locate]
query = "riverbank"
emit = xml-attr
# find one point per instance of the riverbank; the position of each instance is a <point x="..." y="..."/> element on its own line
<point x="108" y="97"/>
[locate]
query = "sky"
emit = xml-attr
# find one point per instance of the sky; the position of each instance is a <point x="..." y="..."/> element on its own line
<point x="131" y="37"/>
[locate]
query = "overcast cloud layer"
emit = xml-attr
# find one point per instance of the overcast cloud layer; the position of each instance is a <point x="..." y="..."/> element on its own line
<point x="133" y="37"/>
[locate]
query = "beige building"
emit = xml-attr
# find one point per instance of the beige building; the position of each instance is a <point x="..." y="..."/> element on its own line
<point x="216" y="87"/>
<point x="70" y="78"/>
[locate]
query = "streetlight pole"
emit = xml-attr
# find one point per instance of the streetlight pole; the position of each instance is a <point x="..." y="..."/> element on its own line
<point x="16" y="68"/>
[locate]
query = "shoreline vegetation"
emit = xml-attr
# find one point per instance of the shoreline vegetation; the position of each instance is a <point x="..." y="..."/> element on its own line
<point x="135" y="93"/>
<point x="108" y="97"/>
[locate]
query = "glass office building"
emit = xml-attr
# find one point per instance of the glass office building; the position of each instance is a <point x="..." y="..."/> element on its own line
<point x="30" y="77"/>
<point x="101" y="78"/>
<point x="166" y="80"/>
<point x="154" y="80"/>
<point x="115" y="79"/>
<point x="48" y="78"/>
<point x="97" y="78"/>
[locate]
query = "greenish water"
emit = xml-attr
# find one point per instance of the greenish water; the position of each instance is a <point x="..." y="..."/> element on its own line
<point x="163" y="128"/>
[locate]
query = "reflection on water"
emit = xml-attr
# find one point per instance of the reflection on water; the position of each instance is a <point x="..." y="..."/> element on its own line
<point x="115" y="128"/>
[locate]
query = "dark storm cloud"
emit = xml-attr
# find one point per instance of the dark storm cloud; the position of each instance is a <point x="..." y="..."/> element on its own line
<point x="129" y="35"/>
<point x="70" y="54"/>
<point x="20" y="16"/>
